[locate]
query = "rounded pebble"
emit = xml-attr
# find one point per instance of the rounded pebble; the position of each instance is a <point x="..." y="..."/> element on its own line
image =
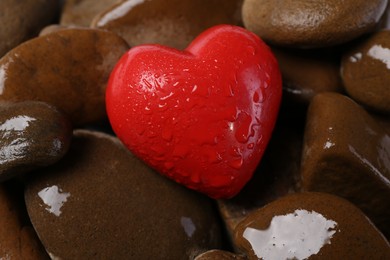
<point x="366" y="72"/>
<point x="32" y="134"/>
<point x="100" y="202"/>
<point x="312" y="24"/>
<point x="68" y="69"/>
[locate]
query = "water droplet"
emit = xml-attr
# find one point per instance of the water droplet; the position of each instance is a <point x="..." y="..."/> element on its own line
<point x="251" y="146"/>
<point x="169" y="165"/>
<point x="147" y="110"/>
<point x="195" y="177"/>
<point x="181" y="151"/>
<point x="243" y="124"/>
<point x="251" y="50"/>
<point x="236" y="163"/>
<point x="158" y="150"/>
<point x="167" y="134"/>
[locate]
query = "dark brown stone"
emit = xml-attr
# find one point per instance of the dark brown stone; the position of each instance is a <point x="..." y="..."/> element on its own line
<point x="68" y="69"/>
<point x="32" y="134"/>
<point x="219" y="255"/>
<point x="22" y="20"/>
<point x="17" y="238"/>
<point x="308" y="72"/>
<point x="366" y="72"/>
<point x="100" y="202"/>
<point x="310" y="226"/>
<point x="346" y="153"/>
<point x="82" y="12"/>
<point x="310" y="24"/>
<point x="174" y="23"/>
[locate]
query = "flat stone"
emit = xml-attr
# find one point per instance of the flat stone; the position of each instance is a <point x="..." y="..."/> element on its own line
<point x="81" y="12"/>
<point x="100" y="202"/>
<point x="307" y="73"/>
<point x="17" y="238"/>
<point x="68" y="69"/>
<point x="366" y="72"/>
<point x="347" y="153"/>
<point x="32" y="135"/>
<point x="310" y="226"/>
<point x="173" y="23"/>
<point x="22" y="20"/>
<point x="312" y="24"/>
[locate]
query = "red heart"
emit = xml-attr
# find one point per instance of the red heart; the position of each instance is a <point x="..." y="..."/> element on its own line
<point x="202" y="116"/>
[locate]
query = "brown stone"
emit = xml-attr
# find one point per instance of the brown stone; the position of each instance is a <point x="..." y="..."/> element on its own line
<point x="174" y="23"/>
<point x="219" y="255"/>
<point x="100" y="202"/>
<point x="366" y="72"/>
<point x="346" y="153"/>
<point x="17" y="239"/>
<point x="312" y="24"/>
<point x="22" y="20"/>
<point x="310" y="226"/>
<point x="32" y="134"/>
<point x="68" y="69"/>
<point x="308" y="72"/>
<point x="81" y="12"/>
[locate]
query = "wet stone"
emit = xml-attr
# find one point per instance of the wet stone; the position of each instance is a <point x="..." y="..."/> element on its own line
<point x="68" y="69"/>
<point x="366" y="72"/>
<point x="17" y="238"/>
<point x="22" y="20"/>
<point x="310" y="226"/>
<point x="32" y="134"/>
<point x="308" y="72"/>
<point x="174" y="23"/>
<point x="100" y="202"/>
<point x="219" y="255"/>
<point x="346" y="153"/>
<point x="312" y="24"/>
<point x="81" y="12"/>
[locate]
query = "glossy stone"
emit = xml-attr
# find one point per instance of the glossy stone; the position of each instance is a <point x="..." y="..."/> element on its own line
<point x="310" y="226"/>
<point x="81" y="12"/>
<point x="308" y="72"/>
<point x="174" y="23"/>
<point x="346" y="152"/>
<point x="219" y="255"/>
<point x="68" y="69"/>
<point x="100" y="202"/>
<point x="17" y="238"/>
<point x="22" y="20"/>
<point x="32" y="134"/>
<point x="366" y="72"/>
<point x="312" y="24"/>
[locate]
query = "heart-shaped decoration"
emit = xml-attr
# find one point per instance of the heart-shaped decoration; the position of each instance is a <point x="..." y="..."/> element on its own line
<point x="202" y="116"/>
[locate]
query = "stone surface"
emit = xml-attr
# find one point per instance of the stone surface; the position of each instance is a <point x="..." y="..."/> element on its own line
<point x="308" y="72"/>
<point x="219" y="255"/>
<point x="174" y="23"/>
<point x="22" y="20"/>
<point x="366" y="72"/>
<point x="32" y="134"/>
<point x="347" y="153"/>
<point x="100" y="202"/>
<point x="17" y="237"/>
<point x="82" y="12"/>
<point x="310" y="226"/>
<point x="312" y="24"/>
<point x="68" y="69"/>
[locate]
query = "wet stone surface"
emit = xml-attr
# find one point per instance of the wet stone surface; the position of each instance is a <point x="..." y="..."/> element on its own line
<point x="366" y="72"/>
<point x="174" y="23"/>
<point x="32" y="134"/>
<point x="310" y="226"/>
<point x="102" y="202"/>
<point x="346" y="153"/>
<point x="312" y="24"/>
<point x="68" y="69"/>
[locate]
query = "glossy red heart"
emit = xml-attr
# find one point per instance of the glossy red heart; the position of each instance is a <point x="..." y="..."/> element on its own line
<point x="202" y="116"/>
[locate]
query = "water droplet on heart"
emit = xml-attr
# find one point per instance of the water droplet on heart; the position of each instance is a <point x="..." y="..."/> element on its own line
<point x="243" y="124"/>
<point x="167" y="134"/>
<point x="251" y="50"/>
<point x="195" y="177"/>
<point x="181" y="151"/>
<point x="213" y="157"/>
<point x="236" y="163"/>
<point x="250" y="145"/>
<point x="147" y="110"/>
<point x="158" y="150"/>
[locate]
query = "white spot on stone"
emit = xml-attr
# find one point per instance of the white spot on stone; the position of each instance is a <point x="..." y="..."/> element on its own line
<point x="54" y="198"/>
